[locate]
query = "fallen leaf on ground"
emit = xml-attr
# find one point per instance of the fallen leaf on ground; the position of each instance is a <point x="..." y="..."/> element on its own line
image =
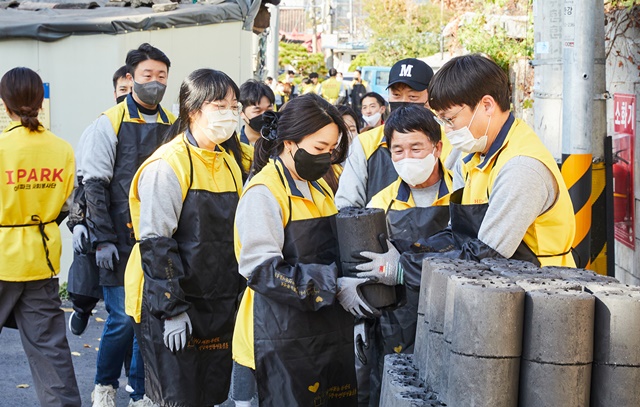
<point x="23" y="386"/>
<point x="99" y="319"/>
<point x="86" y="345"/>
<point x="75" y="353"/>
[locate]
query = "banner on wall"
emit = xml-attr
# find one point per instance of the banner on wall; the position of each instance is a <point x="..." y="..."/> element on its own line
<point x="624" y="123"/>
<point x="44" y="116"/>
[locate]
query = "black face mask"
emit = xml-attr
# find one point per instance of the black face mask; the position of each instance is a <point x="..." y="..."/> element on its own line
<point x="120" y="98"/>
<point x="256" y="123"/>
<point x="397" y="105"/>
<point x="311" y="167"/>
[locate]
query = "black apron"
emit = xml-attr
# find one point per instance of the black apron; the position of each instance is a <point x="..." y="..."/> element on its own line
<point x="467" y="219"/>
<point x="395" y="331"/>
<point x="304" y="358"/>
<point x="211" y="286"/>
<point x="136" y="142"/>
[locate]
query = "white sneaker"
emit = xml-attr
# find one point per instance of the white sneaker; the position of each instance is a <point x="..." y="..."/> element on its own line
<point x="129" y="389"/>
<point x="143" y="402"/>
<point x="103" y="396"/>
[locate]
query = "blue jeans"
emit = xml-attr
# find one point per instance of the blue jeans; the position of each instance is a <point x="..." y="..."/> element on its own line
<point x="117" y="336"/>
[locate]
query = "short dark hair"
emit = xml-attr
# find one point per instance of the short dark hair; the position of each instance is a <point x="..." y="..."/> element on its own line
<point x="269" y="78"/>
<point x="358" y="70"/>
<point x="465" y="80"/>
<point x="290" y="72"/>
<point x="313" y="75"/>
<point x="412" y="117"/>
<point x="144" y="52"/>
<point x="333" y="72"/>
<point x="22" y="92"/>
<point x="252" y="91"/>
<point x="376" y="96"/>
<point x="317" y="113"/>
<point x="120" y="73"/>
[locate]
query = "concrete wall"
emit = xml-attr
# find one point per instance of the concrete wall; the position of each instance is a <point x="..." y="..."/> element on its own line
<point x="623" y="76"/>
<point x="79" y="70"/>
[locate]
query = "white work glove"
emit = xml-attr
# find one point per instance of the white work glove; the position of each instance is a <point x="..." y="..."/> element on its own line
<point x="104" y="255"/>
<point x="176" y="331"/>
<point x="383" y="267"/>
<point x="350" y="299"/>
<point x="80" y="239"/>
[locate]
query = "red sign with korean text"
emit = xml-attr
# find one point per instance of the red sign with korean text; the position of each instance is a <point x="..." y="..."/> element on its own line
<point x="624" y="125"/>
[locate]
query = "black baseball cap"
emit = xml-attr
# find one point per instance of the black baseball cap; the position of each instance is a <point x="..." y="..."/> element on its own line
<point x="411" y="71"/>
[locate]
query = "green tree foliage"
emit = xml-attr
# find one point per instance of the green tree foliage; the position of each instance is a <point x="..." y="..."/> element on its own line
<point x="361" y="60"/>
<point x="476" y="35"/>
<point x="401" y="29"/>
<point x="297" y="56"/>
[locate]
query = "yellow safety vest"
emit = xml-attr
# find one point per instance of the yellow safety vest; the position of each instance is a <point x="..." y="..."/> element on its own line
<point x="331" y="90"/>
<point x="550" y="236"/>
<point x="175" y="154"/>
<point x="300" y="208"/>
<point x="37" y="178"/>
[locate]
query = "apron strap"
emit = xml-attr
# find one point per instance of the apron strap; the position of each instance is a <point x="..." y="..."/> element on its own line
<point x="41" y="225"/>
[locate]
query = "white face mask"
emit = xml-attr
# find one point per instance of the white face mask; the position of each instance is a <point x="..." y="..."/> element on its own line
<point x="220" y="127"/>
<point x="463" y="140"/>
<point x="415" y="171"/>
<point x="373" y="119"/>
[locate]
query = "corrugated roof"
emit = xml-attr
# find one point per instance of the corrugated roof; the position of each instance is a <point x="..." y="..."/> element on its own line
<point x="48" y="21"/>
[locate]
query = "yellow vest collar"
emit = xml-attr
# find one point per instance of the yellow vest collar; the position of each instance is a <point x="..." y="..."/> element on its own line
<point x="498" y="144"/>
<point x="288" y="181"/>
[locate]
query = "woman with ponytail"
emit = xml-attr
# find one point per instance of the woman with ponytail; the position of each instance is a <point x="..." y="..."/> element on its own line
<point x="294" y="329"/>
<point x="37" y="170"/>
<point x="182" y="280"/>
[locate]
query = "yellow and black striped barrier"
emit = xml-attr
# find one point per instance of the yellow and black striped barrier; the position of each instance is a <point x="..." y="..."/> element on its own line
<point x="576" y="171"/>
<point x="598" y="219"/>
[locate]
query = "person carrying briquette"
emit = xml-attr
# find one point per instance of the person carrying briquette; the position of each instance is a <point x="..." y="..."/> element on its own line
<point x="416" y="205"/>
<point x="294" y="329"/>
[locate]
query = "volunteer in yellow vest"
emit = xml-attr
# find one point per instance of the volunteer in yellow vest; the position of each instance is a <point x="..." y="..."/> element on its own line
<point x="83" y="283"/>
<point x="182" y="280"/>
<point x="331" y="89"/>
<point x="255" y="98"/>
<point x="315" y="86"/>
<point x="37" y="170"/>
<point x="115" y="146"/>
<point x="368" y="168"/>
<point x="293" y="327"/>
<point x="417" y="205"/>
<point x="514" y="203"/>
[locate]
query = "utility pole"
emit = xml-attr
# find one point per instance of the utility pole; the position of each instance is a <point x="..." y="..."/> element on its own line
<point x="314" y="24"/>
<point x="273" y="41"/>
<point x="577" y="119"/>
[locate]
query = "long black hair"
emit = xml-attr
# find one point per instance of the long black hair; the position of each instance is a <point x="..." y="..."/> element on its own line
<point x="303" y="115"/>
<point x="22" y="92"/>
<point x="206" y="85"/>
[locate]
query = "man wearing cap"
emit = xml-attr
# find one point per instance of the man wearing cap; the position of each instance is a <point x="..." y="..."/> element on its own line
<point x="369" y="168"/>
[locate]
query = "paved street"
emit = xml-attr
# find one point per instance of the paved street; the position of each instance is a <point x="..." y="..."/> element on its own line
<point x="15" y="368"/>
